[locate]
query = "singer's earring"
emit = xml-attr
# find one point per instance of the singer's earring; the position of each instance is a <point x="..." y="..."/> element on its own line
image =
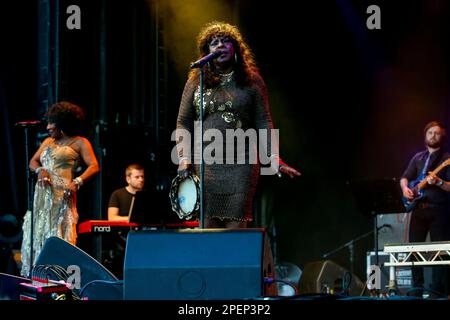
<point x="235" y="57"/>
<point x="207" y="64"/>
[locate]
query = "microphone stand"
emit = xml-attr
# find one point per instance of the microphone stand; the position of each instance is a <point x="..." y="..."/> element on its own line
<point x="350" y="246"/>
<point x="30" y="199"/>
<point x="202" y="218"/>
<point x="29" y="188"/>
<point x="200" y="64"/>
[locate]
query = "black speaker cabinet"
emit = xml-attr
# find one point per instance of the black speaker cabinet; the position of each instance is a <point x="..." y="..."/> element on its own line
<point x="197" y="264"/>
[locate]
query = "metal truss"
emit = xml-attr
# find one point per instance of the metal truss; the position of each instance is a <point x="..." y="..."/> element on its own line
<point x="416" y="254"/>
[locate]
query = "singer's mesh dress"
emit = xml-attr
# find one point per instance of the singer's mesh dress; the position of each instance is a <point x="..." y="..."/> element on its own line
<point x="228" y="188"/>
<point x="54" y="212"/>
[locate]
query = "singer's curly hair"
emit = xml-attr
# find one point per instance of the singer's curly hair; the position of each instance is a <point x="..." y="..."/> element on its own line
<point x="245" y="64"/>
<point x="67" y="117"/>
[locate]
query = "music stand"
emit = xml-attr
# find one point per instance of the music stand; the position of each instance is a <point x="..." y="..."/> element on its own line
<point x="144" y="211"/>
<point x="375" y="197"/>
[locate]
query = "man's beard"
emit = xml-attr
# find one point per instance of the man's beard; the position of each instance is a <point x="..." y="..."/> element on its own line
<point x="434" y="144"/>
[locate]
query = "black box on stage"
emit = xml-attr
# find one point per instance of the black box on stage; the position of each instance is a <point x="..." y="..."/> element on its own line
<point x="196" y="264"/>
<point x="403" y="275"/>
<point x="44" y="292"/>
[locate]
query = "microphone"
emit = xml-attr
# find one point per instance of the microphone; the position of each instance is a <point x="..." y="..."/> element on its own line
<point x="30" y="123"/>
<point x="42" y="135"/>
<point x="201" y="62"/>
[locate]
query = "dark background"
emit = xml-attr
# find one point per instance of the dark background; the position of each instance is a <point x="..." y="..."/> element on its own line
<point x="350" y="102"/>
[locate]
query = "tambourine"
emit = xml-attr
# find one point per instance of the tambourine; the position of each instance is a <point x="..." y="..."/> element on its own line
<point x="185" y="196"/>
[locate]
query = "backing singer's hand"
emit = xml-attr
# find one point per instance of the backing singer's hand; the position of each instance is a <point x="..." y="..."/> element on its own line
<point x="44" y="178"/>
<point x="184" y="169"/>
<point x="284" y="168"/>
<point x="72" y="187"/>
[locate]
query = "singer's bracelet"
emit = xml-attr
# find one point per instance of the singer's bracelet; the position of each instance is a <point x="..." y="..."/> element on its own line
<point x="78" y="181"/>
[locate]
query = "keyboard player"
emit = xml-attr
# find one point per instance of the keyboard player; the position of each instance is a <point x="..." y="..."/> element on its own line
<point x="119" y="208"/>
<point x="122" y="200"/>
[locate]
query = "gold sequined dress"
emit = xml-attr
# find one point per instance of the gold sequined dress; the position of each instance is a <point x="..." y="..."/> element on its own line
<point x="54" y="211"/>
<point x="228" y="188"/>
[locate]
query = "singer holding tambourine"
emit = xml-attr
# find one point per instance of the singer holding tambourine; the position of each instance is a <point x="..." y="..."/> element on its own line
<point x="234" y="100"/>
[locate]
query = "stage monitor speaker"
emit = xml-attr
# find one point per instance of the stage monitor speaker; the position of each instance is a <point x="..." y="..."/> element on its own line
<point x="196" y="264"/>
<point x="56" y="251"/>
<point x="323" y="276"/>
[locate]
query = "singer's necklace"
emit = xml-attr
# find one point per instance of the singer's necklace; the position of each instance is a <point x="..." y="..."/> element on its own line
<point x="226" y="77"/>
<point x="229" y="74"/>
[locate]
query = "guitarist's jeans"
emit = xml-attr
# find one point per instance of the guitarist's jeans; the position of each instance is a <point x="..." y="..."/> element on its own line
<point x="435" y="220"/>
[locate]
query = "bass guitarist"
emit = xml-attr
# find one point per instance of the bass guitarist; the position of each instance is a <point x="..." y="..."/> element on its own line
<point x="428" y="202"/>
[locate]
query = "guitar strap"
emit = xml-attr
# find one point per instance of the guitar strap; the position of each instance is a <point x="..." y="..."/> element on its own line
<point x="425" y="167"/>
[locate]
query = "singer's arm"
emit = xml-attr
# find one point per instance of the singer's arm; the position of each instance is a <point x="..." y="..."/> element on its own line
<point x="35" y="161"/>
<point x="89" y="158"/>
<point x="86" y="152"/>
<point x="185" y="123"/>
<point x="263" y="120"/>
